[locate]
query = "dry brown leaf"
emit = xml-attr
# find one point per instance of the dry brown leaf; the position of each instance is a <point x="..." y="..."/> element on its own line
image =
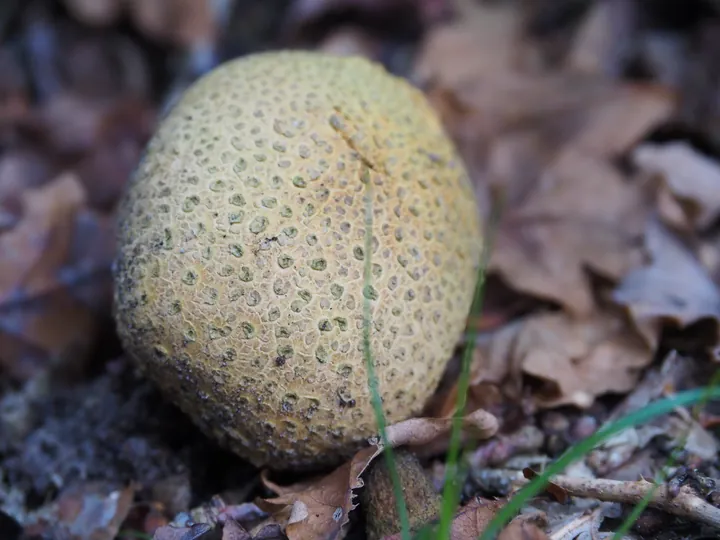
<point x="234" y="531"/>
<point x="119" y="138"/>
<point x="579" y="214"/>
<point x="478" y="77"/>
<point x="482" y="43"/>
<point x="478" y="66"/>
<point x="673" y="287"/>
<point x="56" y="328"/>
<point x="628" y="112"/>
<point x="319" y="507"/>
<point x="472" y="519"/>
<point x="181" y="22"/>
<point x="482" y="393"/>
<point x="54" y="279"/>
<point x="522" y="529"/>
<point x="31" y="253"/>
<point x="91" y="511"/>
<point x="597" y="45"/>
<point x="302" y="13"/>
<point x="545" y="140"/>
<point x="693" y="179"/>
<point x="576" y="360"/>
<point x="96" y="12"/>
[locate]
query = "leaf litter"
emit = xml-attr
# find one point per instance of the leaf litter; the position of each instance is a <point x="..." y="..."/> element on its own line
<point x="608" y="245"/>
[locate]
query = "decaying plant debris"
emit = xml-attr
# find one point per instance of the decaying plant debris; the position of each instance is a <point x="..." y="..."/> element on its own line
<point x="592" y="128"/>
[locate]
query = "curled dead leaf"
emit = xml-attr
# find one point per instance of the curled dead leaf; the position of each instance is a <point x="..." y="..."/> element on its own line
<point x="482" y="43"/>
<point x="473" y="518"/>
<point x="672" y="287"/>
<point x="579" y="214"/>
<point x="481" y="65"/>
<point x="523" y="529"/>
<point x="32" y="251"/>
<point x="691" y="178"/>
<point x="96" y="12"/>
<point x="626" y="113"/>
<point x="233" y="531"/>
<point x="181" y="22"/>
<point x="301" y="14"/>
<point x="319" y="507"/>
<point x="576" y="360"/>
<point x="90" y="511"/>
<point x="54" y="279"/>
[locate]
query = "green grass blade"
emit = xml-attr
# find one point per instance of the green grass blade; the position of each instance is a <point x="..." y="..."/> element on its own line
<point x="453" y="474"/>
<point x="370" y="365"/>
<point x="586" y="445"/>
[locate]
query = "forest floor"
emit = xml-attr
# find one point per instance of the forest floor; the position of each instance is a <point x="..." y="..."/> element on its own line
<point x="592" y="125"/>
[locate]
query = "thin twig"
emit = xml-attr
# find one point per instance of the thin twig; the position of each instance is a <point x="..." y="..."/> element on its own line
<point x="685" y="504"/>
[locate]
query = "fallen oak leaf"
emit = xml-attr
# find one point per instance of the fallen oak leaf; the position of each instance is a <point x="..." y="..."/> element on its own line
<point x="691" y="178"/>
<point x="615" y="124"/>
<point x="55" y="329"/>
<point x="483" y="42"/>
<point x="86" y="511"/>
<point x="96" y="12"/>
<point x="469" y="522"/>
<point x="54" y="280"/>
<point x="673" y="287"/>
<point x="580" y="214"/>
<point x="479" y="64"/>
<point x="472" y="519"/>
<point x="494" y="380"/>
<point x="232" y="530"/>
<point x="524" y="529"/>
<point x="301" y="15"/>
<point x="576" y="360"/>
<point x="320" y="507"/>
<point x="180" y="22"/>
<point x="38" y="245"/>
<point x="488" y="94"/>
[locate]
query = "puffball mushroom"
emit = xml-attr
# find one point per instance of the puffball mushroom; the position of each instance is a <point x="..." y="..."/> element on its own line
<point x="240" y="272"/>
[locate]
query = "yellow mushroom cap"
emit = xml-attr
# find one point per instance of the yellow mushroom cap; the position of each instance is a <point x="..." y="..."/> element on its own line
<point x="242" y="248"/>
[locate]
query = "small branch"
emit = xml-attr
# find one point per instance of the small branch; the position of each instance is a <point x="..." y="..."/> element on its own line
<point x="685" y="504"/>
